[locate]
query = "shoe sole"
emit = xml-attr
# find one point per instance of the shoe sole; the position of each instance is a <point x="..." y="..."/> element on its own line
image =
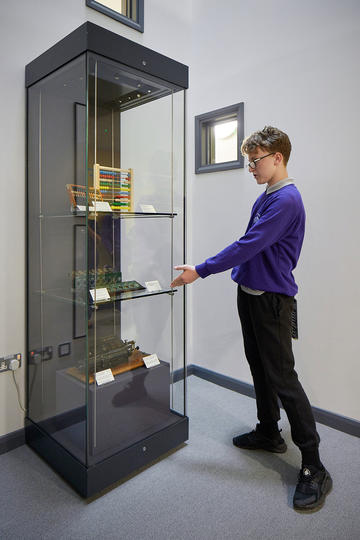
<point x="281" y="449"/>
<point x="314" y="507"/>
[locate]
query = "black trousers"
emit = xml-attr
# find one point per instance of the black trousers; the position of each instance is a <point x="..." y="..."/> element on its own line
<point x="266" y="327"/>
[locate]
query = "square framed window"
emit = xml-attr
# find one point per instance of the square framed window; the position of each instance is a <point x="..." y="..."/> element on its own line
<point x="218" y="138"/>
<point x="129" y="12"/>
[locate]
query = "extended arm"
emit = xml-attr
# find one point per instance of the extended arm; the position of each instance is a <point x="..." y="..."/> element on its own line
<point x="188" y="276"/>
<point x="266" y="231"/>
<point x="270" y="227"/>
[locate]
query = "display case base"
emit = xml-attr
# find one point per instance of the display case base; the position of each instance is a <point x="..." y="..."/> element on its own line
<point x="88" y="481"/>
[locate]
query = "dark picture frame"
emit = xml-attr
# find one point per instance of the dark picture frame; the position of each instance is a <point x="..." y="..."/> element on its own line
<point x="80" y="141"/>
<point x="80" y="309"/>
<point x="79" y="234"/>
<point x="134" y="20"/>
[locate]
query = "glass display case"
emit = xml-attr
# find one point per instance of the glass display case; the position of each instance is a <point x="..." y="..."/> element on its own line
<point x="105" y="332"/>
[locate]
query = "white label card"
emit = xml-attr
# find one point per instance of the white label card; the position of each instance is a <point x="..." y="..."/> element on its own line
<point x="153" y="286"/>
<point x="103" y="377"/>
<point x="101" y="295"/>
<point x="151" y="360"/>
<point x="102" y="206"/>
<point x="82" y="208"/>
<point x="147" y="209"/>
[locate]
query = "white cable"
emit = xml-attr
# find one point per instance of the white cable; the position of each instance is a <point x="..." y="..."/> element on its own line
<point x="18" y="392"/>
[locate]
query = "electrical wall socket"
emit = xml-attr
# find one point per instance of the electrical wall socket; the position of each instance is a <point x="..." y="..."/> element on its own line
<point x="36" y="356"/>
<point x="10" y="360"/>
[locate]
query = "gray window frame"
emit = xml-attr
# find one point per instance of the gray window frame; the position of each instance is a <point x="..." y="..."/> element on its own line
<point x="207" y="120"/>
<point x="137" y="25"/>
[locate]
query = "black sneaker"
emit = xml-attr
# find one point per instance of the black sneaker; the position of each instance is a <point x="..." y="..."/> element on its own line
<point x="255" y="440"/>
<point x="311" y="489"/>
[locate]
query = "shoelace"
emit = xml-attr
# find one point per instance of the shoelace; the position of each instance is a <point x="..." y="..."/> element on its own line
<point x="305" y="477"/>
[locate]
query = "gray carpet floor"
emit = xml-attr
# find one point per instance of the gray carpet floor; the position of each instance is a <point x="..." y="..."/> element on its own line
<point x="206" y="489"/>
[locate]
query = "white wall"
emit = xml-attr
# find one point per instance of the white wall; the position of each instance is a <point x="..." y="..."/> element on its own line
<point x="295" y="65"/>
<point x="27" y="30"/>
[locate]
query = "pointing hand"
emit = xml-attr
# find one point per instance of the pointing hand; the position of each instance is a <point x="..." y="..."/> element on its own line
<point x="188" y="276"/>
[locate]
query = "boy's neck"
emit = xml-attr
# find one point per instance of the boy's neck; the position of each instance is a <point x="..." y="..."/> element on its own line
<point x="280" y="175"/>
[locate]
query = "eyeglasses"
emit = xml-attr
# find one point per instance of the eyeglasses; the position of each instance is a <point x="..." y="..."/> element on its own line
<point x="252" y="164"/>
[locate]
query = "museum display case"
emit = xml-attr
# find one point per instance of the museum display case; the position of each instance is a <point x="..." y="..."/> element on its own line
<point x="106" y="370"/>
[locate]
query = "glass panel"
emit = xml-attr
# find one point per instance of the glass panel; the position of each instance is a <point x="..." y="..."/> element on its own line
<point x="225" y="134"/>
<point x="57" y="245"/>
<point x="178" y="375"/>
<point x="125" y="7"/>
<point x="219" y="141"/>
<point x="135" y="230"/>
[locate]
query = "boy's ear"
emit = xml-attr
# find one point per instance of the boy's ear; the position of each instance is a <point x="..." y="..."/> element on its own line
<point x="279" y="158"/>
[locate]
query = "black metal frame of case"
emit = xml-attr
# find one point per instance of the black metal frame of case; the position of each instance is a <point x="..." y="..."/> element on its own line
<point x="88" y="481"/>
<point x="93" y="38"/>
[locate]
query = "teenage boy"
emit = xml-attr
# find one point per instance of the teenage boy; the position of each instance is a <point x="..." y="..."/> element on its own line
<point x="262" y="261"/>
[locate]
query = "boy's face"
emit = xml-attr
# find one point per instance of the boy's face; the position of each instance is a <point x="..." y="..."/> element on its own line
<point x="266" y="169"/>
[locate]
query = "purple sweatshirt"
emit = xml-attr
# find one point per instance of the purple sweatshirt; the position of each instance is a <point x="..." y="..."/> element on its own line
<point x="266" y="255"/>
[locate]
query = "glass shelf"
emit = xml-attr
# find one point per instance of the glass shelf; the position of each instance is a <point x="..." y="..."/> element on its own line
<point x="116" y="215"/>
<point x="74" y="297"/>
<point x="132" y="295"/>
<point x="123" y="215"/>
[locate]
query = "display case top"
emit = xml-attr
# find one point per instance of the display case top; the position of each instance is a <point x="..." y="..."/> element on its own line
<point x="94" y="38"/>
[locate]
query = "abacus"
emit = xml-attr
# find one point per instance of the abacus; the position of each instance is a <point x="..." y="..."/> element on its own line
<point x="115" y="186"/>
<point x="79" y="197"/>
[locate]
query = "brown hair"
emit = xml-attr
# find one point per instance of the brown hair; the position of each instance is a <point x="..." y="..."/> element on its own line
<point x="269" y="139"/>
